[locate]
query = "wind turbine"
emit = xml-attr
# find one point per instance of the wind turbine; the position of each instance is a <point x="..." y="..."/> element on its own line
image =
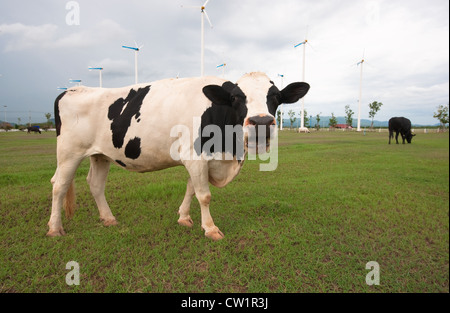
<point x="302" y="117"/>
<point x="281" y="106"/>
<point x="136" y="50"/>
<point x="360" y="94"/>
<point x="5" y="106"/>
<point x="223" y="68"/>
<point x="77" y="81"/>
<point x="99" y="69"/>
<point x="204" y="14"/>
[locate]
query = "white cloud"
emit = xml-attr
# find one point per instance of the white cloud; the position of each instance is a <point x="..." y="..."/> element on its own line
<point x="114" y="67"/>
<point x="24" y="37"/>
<point x="49" y="36"/>
<point x="406" y="47"/>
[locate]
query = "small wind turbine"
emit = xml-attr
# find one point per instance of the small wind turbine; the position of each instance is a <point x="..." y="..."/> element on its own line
<point x="302" y="117"/>
<point x="204" y="14"/>
<point x="223" y="68"/>
<point x="360" y="94"/>
<point x="99" y="69"/>
<point x="77" y="81"/>
<point x="5" y="106"/>
<point x="281" y="106"/>
<point x="136" y="50"/>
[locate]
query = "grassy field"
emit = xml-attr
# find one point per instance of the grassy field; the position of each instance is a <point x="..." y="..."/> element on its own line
<point x="336" y="201"/>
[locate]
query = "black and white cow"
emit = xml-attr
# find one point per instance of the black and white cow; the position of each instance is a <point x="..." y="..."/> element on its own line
<point x="138" y="127"/>
<point x="400" y="125"/>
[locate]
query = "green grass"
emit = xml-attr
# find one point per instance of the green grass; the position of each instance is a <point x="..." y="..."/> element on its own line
<point x="336" y="201"/>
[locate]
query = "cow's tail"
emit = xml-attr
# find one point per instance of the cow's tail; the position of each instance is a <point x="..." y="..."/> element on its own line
<point x="57" y="116"/>
<point x="69" y="201"/>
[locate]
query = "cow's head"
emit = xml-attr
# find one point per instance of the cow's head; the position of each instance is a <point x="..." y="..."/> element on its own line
<point x="255" y="99"/>
<point x="409" y="136"/>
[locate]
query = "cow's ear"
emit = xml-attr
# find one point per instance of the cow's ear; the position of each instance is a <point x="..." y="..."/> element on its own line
<point x="294" y="92"/>
<point x="217" y="95"/>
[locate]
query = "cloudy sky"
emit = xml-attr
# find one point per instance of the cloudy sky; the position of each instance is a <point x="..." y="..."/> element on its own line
<point x="405" y="43"/>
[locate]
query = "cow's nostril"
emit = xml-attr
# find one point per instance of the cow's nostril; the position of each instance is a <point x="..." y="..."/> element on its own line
<point x="262" y="120"/>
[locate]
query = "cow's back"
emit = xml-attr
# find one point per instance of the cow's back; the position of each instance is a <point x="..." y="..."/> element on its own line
<point x="132" y="125"/>
<point x="399" y="124"/>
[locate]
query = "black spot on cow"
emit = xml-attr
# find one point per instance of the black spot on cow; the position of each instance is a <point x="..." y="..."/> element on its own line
<point x="133" y="148"/>
<point x="228" y="110"/>
<point x="122" y="111"/>
<point x="57" y="117"/>
<point x="121" y="163"/>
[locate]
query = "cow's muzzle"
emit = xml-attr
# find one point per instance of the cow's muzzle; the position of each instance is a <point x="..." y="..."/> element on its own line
<point x="259" y="130"/>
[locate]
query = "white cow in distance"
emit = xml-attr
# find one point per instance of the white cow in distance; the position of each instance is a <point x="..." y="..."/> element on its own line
<point x="137" y="128"/>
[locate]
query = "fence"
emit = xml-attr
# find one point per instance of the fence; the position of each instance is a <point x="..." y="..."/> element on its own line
<point x="378" y="130"/>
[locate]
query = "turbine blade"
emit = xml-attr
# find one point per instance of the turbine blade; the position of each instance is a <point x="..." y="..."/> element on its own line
<point x="309" y="44"/>
<point x="190" y="7"/>
<point x="206" y="15"/>
<point x="206" y="2"/>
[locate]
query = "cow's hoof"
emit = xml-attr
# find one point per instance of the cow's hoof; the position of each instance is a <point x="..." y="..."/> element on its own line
<point x="56" y="232"/>
<point x="109" y="222"/>
<point x="215" y="234"/>
<point x="188" y="222"/>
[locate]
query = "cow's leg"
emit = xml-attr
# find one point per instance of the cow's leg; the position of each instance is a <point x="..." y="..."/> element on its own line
<point x="200" y="181"/>
<point x="96" y="178"/>
<point x="396" y="137"/>
<point x="391" y="135"/>
<point x="183" y="211"/>
<point x="61" y="181"/>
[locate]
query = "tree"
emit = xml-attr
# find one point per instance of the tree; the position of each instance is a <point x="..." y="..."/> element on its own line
<point x="349" y="115"/>
<point x="47" y="116"/>
<point x="292" y="117"/>
<point x="442" y="115"/>
<point x="374" y="108"/>
<point x="6" y="126"/>
<point x="279" y="118"/>
<point x="318" y="121"/>
<point x="305" y="117"/>
<point x="333" y="121"/>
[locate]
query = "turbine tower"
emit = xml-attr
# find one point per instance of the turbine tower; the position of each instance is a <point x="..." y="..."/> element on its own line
<point x="281" y="105"/>
<point x="202" y="53"/>
<point x="360" y="94"/>
<point x="136" y="50"/>
<point x="302" y="117"/>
